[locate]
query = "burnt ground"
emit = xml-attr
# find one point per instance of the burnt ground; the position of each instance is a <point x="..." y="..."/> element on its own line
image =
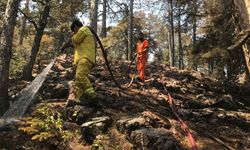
<point x="141" y="117"/>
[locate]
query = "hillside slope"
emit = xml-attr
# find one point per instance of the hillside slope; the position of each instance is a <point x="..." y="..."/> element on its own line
<point x="142" y="117"/>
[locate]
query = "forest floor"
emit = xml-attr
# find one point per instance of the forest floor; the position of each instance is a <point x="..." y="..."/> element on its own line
<point x="217" y="115"/>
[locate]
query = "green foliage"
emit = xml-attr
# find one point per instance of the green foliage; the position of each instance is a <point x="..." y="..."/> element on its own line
<point x="97" y="145"/>
<point x="66" y="10"/>
<point x="116" y="42"/>
<point x="17" y="63"/>
<point x="47" y="50"/>
<point x="46" y="125"/>
<point x="2" y="10"/>
<point x="218" y="33"/>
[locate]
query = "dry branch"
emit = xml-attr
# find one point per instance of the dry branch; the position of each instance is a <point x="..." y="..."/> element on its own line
<point x="241" y="39"/>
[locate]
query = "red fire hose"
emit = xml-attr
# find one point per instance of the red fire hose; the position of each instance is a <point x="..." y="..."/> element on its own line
<point x="184" y="126"/>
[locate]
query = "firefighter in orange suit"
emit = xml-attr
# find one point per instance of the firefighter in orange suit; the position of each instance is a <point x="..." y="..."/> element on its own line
<point x="142" y="57"/>
<point x="83" y="42"/>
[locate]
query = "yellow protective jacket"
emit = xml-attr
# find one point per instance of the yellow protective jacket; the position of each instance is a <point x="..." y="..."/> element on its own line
<point x="84" y="45"/>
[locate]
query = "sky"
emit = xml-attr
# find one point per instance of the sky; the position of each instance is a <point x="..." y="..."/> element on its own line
<point x="153" y="7"/>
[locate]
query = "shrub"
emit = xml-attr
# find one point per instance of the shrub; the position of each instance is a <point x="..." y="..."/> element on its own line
<point x="46" y="126"/>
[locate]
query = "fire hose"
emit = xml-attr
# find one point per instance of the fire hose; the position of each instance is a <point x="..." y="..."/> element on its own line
<point x="108" y="64"/>
<point x="184" y="126"/>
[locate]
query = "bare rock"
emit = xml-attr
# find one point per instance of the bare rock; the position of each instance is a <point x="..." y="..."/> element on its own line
<point x="126" y="126"/>
<point x="155" y="120"/>
<point x="70" y="126"/>
<point x="147" y="119"/>
<point x="154" y="139"/>
<point x="95" y="127"/>
<point x="79" y="114"/>
<point x="148" y="131"/>
<point x="226" y="102"/>
<point x="55" y="90"/>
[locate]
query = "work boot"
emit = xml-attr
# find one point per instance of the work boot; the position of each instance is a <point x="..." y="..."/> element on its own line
<point x="88" y="101"/>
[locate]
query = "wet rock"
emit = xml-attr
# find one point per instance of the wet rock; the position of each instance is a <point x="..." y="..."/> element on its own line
<point x="156" y="139"/>
<point x="95" y="127"/>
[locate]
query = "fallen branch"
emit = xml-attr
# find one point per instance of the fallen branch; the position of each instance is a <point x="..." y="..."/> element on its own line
<point x="245" y="34"/>
<point x="221" y="142"/>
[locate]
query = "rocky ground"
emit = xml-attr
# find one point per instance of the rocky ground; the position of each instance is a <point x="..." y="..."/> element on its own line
<point x="141" y="117"/>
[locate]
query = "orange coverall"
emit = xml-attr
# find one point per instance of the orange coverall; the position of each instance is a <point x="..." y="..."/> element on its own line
<point x="142" y="57"/>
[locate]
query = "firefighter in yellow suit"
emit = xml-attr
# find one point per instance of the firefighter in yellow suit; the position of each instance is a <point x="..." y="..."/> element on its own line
<point x="84" y="59"/>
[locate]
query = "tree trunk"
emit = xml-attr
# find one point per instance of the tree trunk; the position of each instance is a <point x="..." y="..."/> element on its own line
<point x="246" y="50"/>
<point x="169" y="47"/>
<point x="93" y="14"/>
<point x="27" y="73"/>
<point x="126" y="15"/>
<point x="60" y="40"/>
<point x="181" y="65"/>
<point x="130" y="30"/>
<point x="23" y="24"/>
<point x="171" y="22"/>
<point x="243" y="9"/>
<point x="194" y="30"/>
<point x="6" y="39"/>
<point x="104" y="19"/>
